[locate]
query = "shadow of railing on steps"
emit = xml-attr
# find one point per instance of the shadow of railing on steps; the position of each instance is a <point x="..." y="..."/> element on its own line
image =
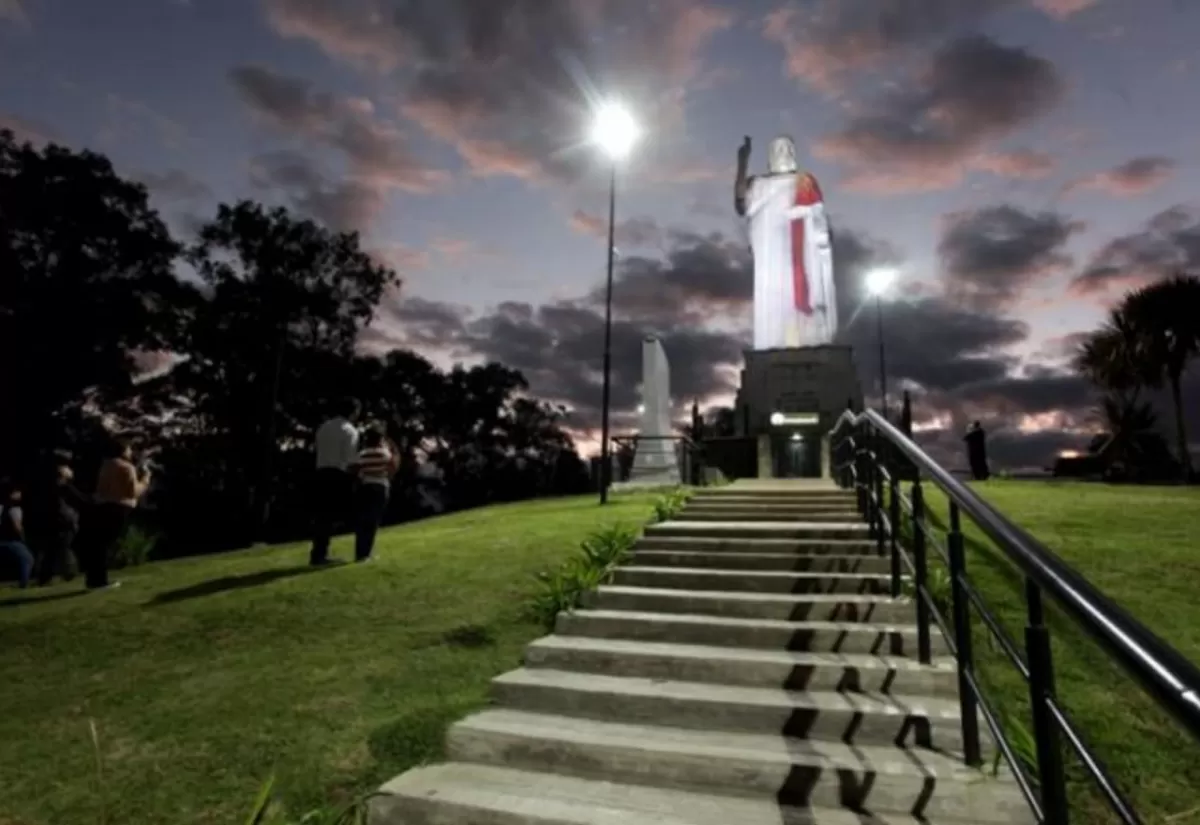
<point x="876" y="460"/>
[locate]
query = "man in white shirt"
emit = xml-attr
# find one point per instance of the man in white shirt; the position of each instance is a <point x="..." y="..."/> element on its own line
<point x="337" y="453"/>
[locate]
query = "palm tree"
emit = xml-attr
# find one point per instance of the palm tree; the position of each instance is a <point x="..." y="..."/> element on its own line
<point x="1166" y="317"/>
<point x="1114" y="358"/>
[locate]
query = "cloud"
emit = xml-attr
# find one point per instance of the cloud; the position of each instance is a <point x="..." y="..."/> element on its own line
<point x="1134" y="177"/>
<point x="1020" y="163"/>
<point x="27" y="131"/>
<point x="506" y="81"/>
<point x="401" y="258"/>
<point x="827" y="42"/>
<point x="1169" y="242"/>
<point x="832" y="38"/>
<point x="925" y="137"/>
<point x="175" y="184"/>
<point x="992" y="254"/>
<point x="376" y="152"/>
<point x="346" y="205"/>
<point x="14" y="12"/>
<point x="1063" y="9"/>
<point x="629" y="233"/>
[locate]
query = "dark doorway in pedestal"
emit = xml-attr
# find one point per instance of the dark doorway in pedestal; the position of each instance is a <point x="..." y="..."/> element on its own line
<point x="796" y="454"/>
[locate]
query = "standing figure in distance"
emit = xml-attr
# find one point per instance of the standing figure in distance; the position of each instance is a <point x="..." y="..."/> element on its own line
<point x="333" y="484"/>
<point x="976" y="439"/>
<point x="794" y="300"/>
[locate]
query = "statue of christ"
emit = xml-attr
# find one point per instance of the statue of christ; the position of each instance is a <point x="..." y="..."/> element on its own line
<point x="794" y="300"/>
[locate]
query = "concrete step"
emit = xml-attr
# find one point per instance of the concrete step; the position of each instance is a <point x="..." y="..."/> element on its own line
<point x="795" y="607"/>
<point x="810" y="517"/>
<point x="854" y="718"/>
<point x="794" y="670"/>
<point x="886" y="781"/>
<point x="826" y="563"/>
<point x="758" y="530"/>
<point x="839" y="502"/>
<point x="717" y="544"/>
<point x="752" y="581"/>
<point x="757" y="506"/>
<point x="767" y="634"/>
<point x="811" y="494"/>
<point x="472" y="794"/>
<point x="774" y="513"/>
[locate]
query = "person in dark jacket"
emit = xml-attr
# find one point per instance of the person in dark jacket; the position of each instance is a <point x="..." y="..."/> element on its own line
<point x="976" y="440"/>
<point x="54" y="520"/>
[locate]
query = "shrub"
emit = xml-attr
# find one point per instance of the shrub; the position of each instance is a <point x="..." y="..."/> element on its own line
<point x="671" y="504"/>
<point x="940" y="587"/>
<point x="598" y="555"/>
<point x="133" y="548"/>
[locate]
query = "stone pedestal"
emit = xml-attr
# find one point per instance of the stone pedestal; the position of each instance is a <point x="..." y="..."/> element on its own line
<point x="789" y="400"/>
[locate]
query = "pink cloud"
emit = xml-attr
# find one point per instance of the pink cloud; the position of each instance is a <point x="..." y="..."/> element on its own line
<point x="1134" y="177"/>
<point x="26" y="130"/>
<point x="14" y="12"/>
<point x="1063" y="9"/>
<point x="1021" y="163"/>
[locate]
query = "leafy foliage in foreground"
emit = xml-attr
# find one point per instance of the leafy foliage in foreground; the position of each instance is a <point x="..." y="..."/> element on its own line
<point x="671" y="504"/>
<point x="599" y="554"/>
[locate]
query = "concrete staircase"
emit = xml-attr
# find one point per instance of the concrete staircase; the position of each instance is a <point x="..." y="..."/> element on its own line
<point x="747" y="667"/>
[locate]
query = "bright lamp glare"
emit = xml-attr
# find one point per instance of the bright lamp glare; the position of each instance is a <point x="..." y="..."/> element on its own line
<point x="614" y="130"/>
<point x="880" y="280"/>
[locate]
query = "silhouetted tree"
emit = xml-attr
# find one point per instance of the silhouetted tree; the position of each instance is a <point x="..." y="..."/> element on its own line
<point x="283" y="301"/>
<point x="86" y="282"/>
<point x="1166" y="318"/>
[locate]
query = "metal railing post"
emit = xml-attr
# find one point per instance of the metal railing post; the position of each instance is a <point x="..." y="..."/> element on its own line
<point x="869" y="483"/>
<point x="920" y="562"/>
<point x="1041" y="689"/>
<point x="878" y="494"/>
<point x="860" y="462"/>
<point x="894" y="536"/>
<point x="962" y="638"/>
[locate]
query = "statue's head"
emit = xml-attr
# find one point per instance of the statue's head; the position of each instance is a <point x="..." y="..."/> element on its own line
<point x="781" y="156"/>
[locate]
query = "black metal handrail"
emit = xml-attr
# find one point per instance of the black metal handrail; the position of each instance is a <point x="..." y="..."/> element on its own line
<point x="872" y="449"/>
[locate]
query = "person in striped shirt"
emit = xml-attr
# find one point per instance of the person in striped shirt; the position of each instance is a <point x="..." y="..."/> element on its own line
<point x="375" y="466"/>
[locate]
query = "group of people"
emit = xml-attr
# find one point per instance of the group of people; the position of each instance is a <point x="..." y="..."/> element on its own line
<point x="353" y="477"/>
<point x="48" y="523"/>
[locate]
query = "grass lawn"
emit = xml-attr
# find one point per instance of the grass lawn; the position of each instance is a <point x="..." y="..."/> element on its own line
<point x="1141" y="546"/>
<point x="204" y="676"/>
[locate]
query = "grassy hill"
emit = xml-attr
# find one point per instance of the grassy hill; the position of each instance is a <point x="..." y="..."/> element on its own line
<point x="203" y="676"/>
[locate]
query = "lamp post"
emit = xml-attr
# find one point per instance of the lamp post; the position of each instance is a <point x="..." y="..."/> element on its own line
<point x="614" y="131"/>
<point x="879" y="281"/>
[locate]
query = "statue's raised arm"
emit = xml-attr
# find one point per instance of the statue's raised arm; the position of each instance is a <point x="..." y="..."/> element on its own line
<point x="742" y="181"/>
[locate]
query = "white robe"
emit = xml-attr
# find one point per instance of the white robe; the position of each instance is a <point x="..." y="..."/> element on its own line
<point x="770" y="210"/>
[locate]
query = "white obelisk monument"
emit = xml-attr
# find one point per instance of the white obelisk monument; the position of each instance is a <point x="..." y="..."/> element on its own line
<point x="655" y="460"/>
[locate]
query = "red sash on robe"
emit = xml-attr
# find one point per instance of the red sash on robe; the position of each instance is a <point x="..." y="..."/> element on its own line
<point x="807" y="194"/>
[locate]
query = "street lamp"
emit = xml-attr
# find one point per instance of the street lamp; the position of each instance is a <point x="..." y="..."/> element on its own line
<point x="879" y="281"/>
<point x="615" y="132"/>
